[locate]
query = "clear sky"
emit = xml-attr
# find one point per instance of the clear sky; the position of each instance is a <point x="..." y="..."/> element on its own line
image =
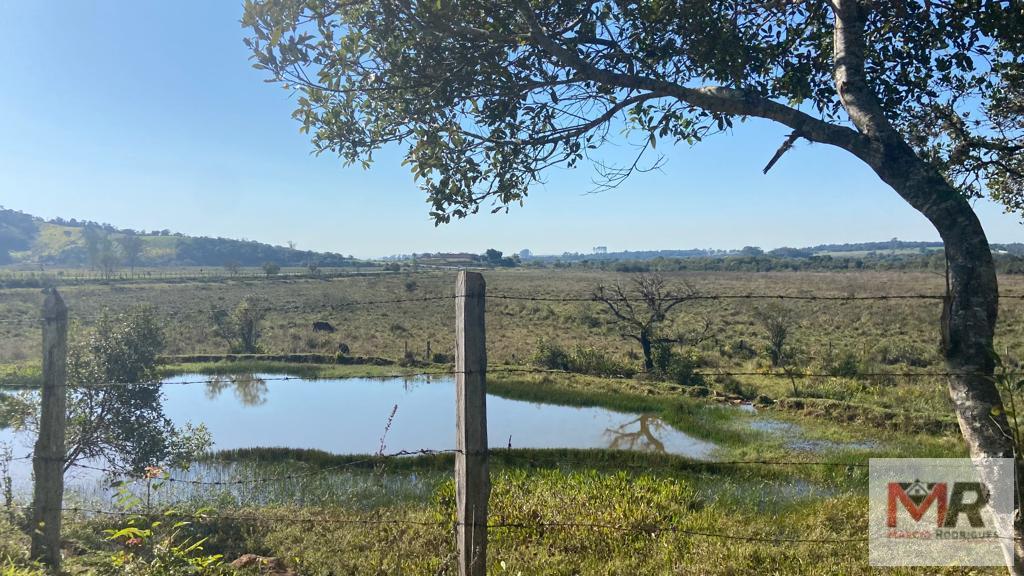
<point x="148" y="115"/>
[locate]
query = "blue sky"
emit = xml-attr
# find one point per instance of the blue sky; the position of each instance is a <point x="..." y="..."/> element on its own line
<point x="148" y="115"/>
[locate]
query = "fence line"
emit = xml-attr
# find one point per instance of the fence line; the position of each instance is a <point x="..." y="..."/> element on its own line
<point x="643" y="529"/>
<point x="565" y="299"/>
<point x="525" y="370"/>
<point x="378" y="458"/>
<point x="374" y="459"/>
<point x="647" y="529"/>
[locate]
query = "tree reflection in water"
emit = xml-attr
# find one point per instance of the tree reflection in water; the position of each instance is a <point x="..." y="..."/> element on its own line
<point x="644" y="438"/>
<point x="251" y="390"/>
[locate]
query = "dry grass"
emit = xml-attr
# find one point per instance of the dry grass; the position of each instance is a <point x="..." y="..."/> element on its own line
<point x="514" y="326"/>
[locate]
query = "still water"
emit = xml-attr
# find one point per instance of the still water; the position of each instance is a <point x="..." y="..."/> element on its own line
<point x="351" y="416"/>
<point x="367" y="416"/>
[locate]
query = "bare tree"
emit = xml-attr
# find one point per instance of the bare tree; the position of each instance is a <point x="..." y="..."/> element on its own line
<point x="641" y="309"/>
<point x="644" y="438"/>
<point x="777" y="323"/>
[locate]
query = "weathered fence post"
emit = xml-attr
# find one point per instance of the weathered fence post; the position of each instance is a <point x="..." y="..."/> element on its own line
<point x="472" y="479"/>
<point x="48" y="457"/>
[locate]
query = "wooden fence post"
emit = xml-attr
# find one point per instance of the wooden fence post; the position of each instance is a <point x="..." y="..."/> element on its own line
<point x="49" y="454"/>
<point x="472" y="478"/>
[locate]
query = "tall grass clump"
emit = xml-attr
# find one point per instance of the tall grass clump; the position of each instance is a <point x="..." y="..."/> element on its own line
<point x="581" y="360"/>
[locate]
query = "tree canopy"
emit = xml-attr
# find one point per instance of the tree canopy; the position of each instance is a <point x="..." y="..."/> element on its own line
<point x="485" y="95"/>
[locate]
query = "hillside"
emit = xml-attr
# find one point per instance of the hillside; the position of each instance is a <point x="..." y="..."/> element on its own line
<point x="29" y="240"/>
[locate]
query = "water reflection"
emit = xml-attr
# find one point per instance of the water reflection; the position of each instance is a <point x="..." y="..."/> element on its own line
<point x="644" y="438"/>
<point x="348" y="416"/>
<point x="250" y="389"/>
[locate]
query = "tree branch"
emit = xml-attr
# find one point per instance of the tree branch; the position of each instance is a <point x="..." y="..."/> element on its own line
<point x="857" y="97"/>
<point x="715" y="99"/>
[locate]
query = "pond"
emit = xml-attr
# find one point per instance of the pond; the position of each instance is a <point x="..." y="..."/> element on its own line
<point x="354" y="416"/>
<point x="368" y="415"/>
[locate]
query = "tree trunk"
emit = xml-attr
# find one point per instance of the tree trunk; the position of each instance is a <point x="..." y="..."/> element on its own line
<point x="645" y="345"/>
<point x="969" y="313"/>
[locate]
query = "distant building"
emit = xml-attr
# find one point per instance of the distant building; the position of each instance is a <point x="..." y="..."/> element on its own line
<point x="600" y="249"/>
<point x="525" y="253"/>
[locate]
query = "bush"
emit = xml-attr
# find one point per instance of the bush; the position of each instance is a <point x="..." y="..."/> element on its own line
<point x="845" y="365"/>
<point x="442" y="358"/>
<point x="737" y="388"/>
<point x="742" y="349"/>
<point x="408" y="359"/>
<point x="551" y="356"/>
<point x="241" y="328"/>
<point x="593" y="361"/>
<point x="680" y="368"/>
<point x="582" y="360"/>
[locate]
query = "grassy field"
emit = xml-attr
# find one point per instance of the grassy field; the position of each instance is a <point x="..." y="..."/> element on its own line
<point x="866" y="336"/>
<point x="845" y="419"/>
<point x="555" y="511"/>
<point x="514" y="325"/>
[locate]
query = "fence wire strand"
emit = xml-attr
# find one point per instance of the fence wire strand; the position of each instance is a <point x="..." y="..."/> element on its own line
<point x="646" y="529"/>
<point x="214" y="379"/>
<point x="697" y="297"/>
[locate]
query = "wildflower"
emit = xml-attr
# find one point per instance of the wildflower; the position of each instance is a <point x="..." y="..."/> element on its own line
<point x="133" y="542"/>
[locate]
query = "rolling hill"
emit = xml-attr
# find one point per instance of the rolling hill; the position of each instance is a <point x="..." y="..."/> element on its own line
<point x="29" y="240"/>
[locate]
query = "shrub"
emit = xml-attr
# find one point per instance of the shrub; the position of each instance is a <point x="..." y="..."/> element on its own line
<point x="162" y="547"/>
<point x="551" y="356"/>
<point x="680" y="368"/>
<point x="737" y="388"/>
<point x="683" y="369"/>
<point x="742" y="349"/>
<point x="408" y="359"/>
<point x="845" y="365"/>
<point x="587" y="360"/>
<point x="241" y="328"/>
<point x="582" y="360"/>
<point x="442" y="358"/>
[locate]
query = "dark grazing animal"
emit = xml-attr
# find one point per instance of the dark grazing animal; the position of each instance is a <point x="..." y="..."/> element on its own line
<point x="323" y="327"/>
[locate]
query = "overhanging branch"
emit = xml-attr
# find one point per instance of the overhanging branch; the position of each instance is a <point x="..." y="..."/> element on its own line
<point x="714" y="99"/>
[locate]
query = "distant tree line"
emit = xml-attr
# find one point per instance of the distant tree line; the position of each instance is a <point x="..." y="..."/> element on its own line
<point x="931" y="261"/>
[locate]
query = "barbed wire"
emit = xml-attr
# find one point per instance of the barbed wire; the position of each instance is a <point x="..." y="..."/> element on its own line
<point x="651" y="529"/>
<point x="507" y="456"/>
<point x="533" y="298"/>
<point x="641" y="528"/>
<point x="227" y="378"/>
<point x="699" y="297"/>
<point x="93" y="317"/>
<point x="373" y="459"/>
<point x="646" y="529"/>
